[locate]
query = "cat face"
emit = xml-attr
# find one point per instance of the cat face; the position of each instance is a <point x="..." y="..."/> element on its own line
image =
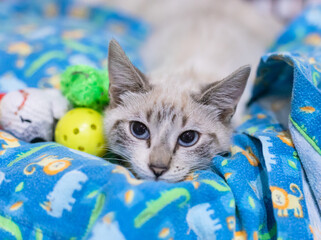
<point x="165" y="130"/>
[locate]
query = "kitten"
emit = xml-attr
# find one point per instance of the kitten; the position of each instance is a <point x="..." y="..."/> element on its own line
<point x="177" y="118"/>
<point x="167" y="125"/>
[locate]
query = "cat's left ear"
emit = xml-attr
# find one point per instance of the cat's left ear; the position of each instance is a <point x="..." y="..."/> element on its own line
<point x="124" y="77"/>
<point x="224" y="95"/>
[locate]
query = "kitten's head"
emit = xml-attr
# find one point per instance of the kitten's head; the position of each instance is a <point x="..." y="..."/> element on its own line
<point x="166" y="132"/>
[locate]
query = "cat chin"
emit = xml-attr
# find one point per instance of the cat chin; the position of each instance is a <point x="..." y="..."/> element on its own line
<point x="170" y="179"/>
<point x="173" y="179"/>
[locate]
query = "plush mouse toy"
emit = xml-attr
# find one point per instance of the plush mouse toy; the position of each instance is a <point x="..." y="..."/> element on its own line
<point x="31" y="114"/>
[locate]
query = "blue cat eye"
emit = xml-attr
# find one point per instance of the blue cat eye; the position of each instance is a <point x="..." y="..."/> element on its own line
<point x="139" y="130"/>
<point x="188" y="138"/>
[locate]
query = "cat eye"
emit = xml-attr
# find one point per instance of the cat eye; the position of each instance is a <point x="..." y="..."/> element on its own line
<point x="139" y="130"/>
<point x="188" y="138"/>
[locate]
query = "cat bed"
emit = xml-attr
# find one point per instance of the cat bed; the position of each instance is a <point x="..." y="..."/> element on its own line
<point x="260" y="191"/>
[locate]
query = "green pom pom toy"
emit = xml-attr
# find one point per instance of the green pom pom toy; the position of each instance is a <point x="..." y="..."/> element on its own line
<point x="85" y="86"/>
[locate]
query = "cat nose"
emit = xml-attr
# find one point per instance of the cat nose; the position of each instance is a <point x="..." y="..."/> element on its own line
<point x="158" y="170"/>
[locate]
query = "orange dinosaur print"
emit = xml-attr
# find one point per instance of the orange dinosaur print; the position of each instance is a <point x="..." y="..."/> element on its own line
<point x="230" y="223"/>
<point x="307" y="109"/>
<point x="241" y="235"/>
<point x="253" y="160"/>
<point x="51" y="165"/>
<point x="285" y="137"/>
<point x="11" y="142"/>
<point x="129" y="196"/>
<point x="16" y="206"/>
<point x="164" y="233"/>
<point x="313" y="39"/>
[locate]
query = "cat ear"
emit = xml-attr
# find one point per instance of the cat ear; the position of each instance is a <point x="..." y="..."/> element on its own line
<point x="224" y="95"/>
<point x="123" y="75"/>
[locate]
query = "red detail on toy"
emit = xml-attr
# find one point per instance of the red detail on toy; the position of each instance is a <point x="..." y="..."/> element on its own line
<point x="25" y="97"/>
<point x="2" y="95"/>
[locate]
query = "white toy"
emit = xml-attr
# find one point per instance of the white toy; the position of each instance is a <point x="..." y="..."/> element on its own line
<point x="30" y="114"/>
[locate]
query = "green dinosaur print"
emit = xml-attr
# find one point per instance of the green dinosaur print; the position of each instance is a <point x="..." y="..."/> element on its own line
<point x="305" y="135"/>
<point x="11" y="227"/>
<point x="252" y="130"/>
<point x="271" y="128"/>
<point x="295" y="155"/>
<point x="304" y="128"/>
<point x="38" y="63"/>
<point x="232" y="203"/>
<point x="39" y="235"/>
<point x="92" y="194"/>
<point x="29" y="152"/>
<point x="292" y="164"/>
<point x="269" y="235"/>
<point x="217" y="186"/>
<point x="315" y="78"/>
<point x="315" y="139"/>
<point x="251" y="202"/>
<point x="19" y="187"/>
<point x="82" y="48"/>
<point x="224" y="162"/>
<point x="154" y="206"/>
<point x="96" y="211"/>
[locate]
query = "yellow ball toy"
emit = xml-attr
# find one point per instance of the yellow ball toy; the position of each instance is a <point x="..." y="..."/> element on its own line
<point x="82" y="129"/>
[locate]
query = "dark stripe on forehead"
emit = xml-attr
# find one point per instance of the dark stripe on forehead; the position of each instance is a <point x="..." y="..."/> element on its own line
<point x="184" y="120"/>
<point x="173" y="118"/>
<point x="148" y="115"/>
<point x="169" y="110"/>
<point x="159" y="116"/>
<point x="166" y="112"/>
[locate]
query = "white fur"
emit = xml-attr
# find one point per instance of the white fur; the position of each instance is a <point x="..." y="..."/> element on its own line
<point x="192" y="43"/>
<point x="212" y="37"/>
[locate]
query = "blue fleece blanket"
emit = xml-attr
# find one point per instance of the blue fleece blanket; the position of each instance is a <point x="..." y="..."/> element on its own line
<point x="39" y="39"/>
<point x="265" y="189"/>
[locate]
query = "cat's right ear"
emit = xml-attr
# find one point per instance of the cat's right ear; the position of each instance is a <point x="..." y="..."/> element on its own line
<point x="223" y="96"/>
<point x="124" y="77"/>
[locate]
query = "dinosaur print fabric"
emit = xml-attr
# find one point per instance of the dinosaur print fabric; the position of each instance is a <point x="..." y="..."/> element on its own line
<point x="266" y="188"/>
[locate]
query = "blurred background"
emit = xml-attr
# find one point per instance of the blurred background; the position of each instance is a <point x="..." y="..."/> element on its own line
<point x="284" y="10"/>
<point x="40" y="38"/>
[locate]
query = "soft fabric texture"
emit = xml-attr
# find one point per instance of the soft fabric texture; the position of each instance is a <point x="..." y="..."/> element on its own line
<point x="31" y="113"/>
<point x="262" y="190"/>
<point x="40" y="39"/>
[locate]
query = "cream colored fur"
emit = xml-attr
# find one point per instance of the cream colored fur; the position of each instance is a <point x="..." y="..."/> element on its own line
<point x="193" y="44"/>
<point x="168" y="105"/>
<point x="212" y="37"/>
